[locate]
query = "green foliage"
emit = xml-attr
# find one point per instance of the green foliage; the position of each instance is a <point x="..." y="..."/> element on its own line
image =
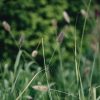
<point x="34" y="20"/>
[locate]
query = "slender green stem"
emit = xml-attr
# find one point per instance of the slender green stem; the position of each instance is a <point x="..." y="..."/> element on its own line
<point x="80" y="53"/>
<point x="50" y="96"/>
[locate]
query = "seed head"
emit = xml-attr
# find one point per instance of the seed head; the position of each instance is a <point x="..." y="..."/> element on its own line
<point x="66" y="17"/>
<point x="60" y="37"/>
<point x="34" y="53"/>
<point x="86" y="71"/>
<point x="21" y="39"/>
<point x="40" y="88"/>
<point x="84" y="13"/>
<point x="29" y="97"/>
<point x="6" y="26"/>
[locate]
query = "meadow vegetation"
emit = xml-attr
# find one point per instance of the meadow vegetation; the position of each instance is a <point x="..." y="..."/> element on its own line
<point x="49" y="50"/>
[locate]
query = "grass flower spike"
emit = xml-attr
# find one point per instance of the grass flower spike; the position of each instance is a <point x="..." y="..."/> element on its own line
<point x="6" y="26"/>
<point x="34" y="53"/>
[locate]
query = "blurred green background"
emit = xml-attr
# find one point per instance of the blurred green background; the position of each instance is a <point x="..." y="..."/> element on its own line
<point x="32" y="20"/>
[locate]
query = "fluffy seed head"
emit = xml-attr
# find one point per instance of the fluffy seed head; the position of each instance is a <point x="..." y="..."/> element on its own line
<point x="34" y="53"/>
<point x="66" y="17"/>
<point x="6" y="26"/>
<point x="40" y="88"/>
<point x="84" y="13"/>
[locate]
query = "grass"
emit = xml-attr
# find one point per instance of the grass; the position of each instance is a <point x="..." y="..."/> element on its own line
<point x="50" y="96"/>
<point x="17" y="85"/>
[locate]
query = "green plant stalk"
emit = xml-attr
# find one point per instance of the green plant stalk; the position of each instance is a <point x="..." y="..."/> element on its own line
<point x="61" y="65"/>
<point x="50" y="96"/>
<point x="80" y="54"/>
<point x="78" y="76"/>
<point x="94" y="93"/>
<point x="59" y="91"/>
<point x="93" y="65"/>
<point x="75" y="53"/>
<point x="83" y="31"/>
